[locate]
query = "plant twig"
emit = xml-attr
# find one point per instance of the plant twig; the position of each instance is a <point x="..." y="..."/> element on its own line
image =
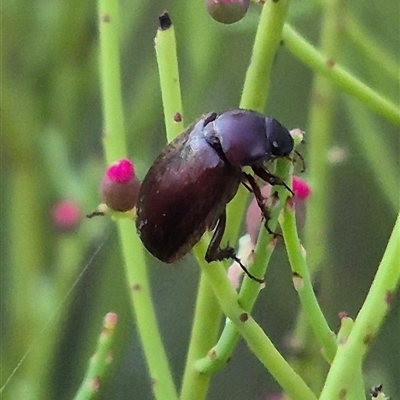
<point x="132" y="249"/>
<point x="256" y="87"/>
<point x="338" y="76"/>
<point x="257" y="340"/>
<point x="167" y="60"/>
<point x="303" y="285"/>
<point x="347" y="362"/>
<point x="254" y="97"/>
<point x="383" y="168"/>
<point x="99" y="361"/>
<point x="249" y="291"/>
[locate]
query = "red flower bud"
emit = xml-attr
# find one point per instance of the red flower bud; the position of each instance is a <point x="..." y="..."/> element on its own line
<point x="66" y="215"/>
<point x="120" y="187"/>
<point x="254" y="217"/>
<point x="227" y="11"/>
<point x="301" y="188"/>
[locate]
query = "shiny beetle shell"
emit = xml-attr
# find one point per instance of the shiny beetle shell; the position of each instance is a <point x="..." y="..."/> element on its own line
<point x="182" y="196"/>
<point x="186" y="190"/>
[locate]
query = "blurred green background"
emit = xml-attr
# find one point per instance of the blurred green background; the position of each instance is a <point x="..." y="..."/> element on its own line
<point x="51" y="127"/>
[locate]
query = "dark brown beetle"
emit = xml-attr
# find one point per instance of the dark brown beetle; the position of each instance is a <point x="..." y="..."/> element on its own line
<point x="186" y="190"/>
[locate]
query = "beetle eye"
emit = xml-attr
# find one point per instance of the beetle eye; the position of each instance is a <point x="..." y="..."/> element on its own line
<point x="275" y="144"/>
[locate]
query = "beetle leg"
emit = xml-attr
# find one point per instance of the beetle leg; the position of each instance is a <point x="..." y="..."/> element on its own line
<point x="261" y="203"/>
<point x="257" y="194"/>
<point x="270" y="178"/>
<point x="215" y="253"/>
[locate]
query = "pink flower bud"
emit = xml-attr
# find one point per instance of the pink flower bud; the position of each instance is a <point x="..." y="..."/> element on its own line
<point x="120" y="187"/>
<point x="300" y="188"/>
<point x="227" y="11"/>
<point x="66" y="215"/>
<point x="254" y="216"/>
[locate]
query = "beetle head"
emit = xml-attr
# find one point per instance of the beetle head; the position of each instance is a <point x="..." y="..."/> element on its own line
<point x="279" y="138"/>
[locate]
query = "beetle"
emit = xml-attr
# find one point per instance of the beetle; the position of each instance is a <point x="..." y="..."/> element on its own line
<point x="186" y="190"/>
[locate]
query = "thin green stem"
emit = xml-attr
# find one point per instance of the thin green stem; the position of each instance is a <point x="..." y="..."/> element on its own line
<point x="167" y="60"/>
<point x="136" y="273"/>
<point x="26" y="257"/>
<point x="318" y="135"/>
<point x="382" y="168"/>
<point x="266" y="44"/>
<point x="303" y="285"/>
<point x="254" y="97"/>
<point x="100" y="360"/>
<point x="257" y="340"/>
<point x="366" y="44"/>
<point x="347" y="363"/>
<point x="256" y="87"/>
<point x="338" y="76"/>
<point x="357" y="391"/>
<point x="113" y="135"/>
<point x="371" y="49"/>
<point x="132" y="249"/>
<point x="207" y="314"/>
<point x="218" y="356"/>
<point x="205" y="328"/>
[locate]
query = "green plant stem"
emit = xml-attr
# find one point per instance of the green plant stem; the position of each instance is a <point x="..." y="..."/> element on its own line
<point x="357" y="391"/>
<point x="219" y="355"/>
<point x="366" y="138"/>
<point x="204" y="333"/>
<point x="207" y="314"/>
<point x="257" y="340"/>
<point x="366" y="44"/>
<point x="136" y="273"/>
<point x="319" y="138"/>
<point x="132" y="249"/>
<point x="347" y="363"/>
<point x="26" y="258"/>
<point x="100" y="360"/>
<point x="254" y="97"/>
<point x="256" y="87"/>
<point x="370" y="49"/>
<point x="203" y="49"/>
<point x="167" y="60"/>
<point x="338" y="76"/>
<point x="266" y="44"/>
<point x="310" y="321"/>
<point x="303" y="285"/>
<point x="113" y="134"/>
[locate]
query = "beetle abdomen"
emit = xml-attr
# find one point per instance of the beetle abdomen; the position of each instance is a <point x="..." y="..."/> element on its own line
<point x="172" y="213"/>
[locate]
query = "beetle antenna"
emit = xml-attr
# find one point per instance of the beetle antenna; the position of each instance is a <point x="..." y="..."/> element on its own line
<point x="303" y="163"/>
